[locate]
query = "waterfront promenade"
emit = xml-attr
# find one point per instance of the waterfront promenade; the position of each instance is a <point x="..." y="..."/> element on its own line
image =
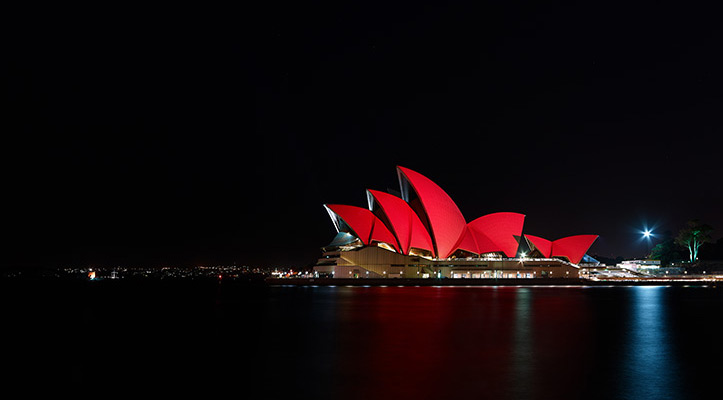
<point x="639" y="281"/>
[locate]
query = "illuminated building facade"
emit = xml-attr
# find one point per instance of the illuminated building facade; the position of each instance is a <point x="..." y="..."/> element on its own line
<point x="423" y="234"/>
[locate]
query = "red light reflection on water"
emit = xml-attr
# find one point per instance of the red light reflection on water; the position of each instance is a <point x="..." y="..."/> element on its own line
<point x="440" y="342"/>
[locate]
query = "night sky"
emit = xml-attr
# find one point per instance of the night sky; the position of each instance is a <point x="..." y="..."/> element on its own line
<point x="179" y="135"/>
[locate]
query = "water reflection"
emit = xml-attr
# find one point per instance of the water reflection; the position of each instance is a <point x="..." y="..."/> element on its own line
<point x="496" y="343"/>
<point x="373" y="342"/>
<point x="521" y="358"/>
<point x="650" y="370"/>
<point x="439" y="342"/>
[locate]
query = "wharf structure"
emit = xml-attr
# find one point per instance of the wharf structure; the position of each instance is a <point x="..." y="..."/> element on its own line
<point x="422" y="234"/>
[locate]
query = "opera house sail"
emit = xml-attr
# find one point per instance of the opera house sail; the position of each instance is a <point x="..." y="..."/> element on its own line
<point x="423" y="234"/>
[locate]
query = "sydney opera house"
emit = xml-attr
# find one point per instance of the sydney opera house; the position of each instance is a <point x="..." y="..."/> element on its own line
<point x="423" y="234"/>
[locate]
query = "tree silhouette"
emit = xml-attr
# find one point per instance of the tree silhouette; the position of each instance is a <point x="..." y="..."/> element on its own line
<point x="693" y="236"/>
<point x="666" y="251"/>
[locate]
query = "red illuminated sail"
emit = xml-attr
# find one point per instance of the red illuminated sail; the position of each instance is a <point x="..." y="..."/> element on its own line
<point x="405" y="224"/>
<point x="571" y="247"/>
<point x="362" y="223"/>
<point x="496" y="232"/>
<point x="446" y="222"/>
<point x="543" y="245"/>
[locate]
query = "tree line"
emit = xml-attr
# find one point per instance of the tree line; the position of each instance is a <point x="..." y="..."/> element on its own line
<point x="693" y="242"/>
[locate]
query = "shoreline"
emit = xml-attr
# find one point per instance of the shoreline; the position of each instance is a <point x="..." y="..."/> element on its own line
<point x="559" y="282"/>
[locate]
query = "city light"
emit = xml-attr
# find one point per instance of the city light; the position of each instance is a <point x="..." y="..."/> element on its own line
<point x="646" y="234"/>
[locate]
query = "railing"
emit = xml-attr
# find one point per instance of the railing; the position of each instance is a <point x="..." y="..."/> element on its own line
<point x="520" y="259"/>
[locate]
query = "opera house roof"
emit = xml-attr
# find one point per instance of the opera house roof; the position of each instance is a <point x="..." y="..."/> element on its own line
<point x="426" y="218"/>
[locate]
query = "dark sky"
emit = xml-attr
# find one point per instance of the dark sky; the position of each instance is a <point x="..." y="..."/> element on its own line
<point x="179" y="135"/>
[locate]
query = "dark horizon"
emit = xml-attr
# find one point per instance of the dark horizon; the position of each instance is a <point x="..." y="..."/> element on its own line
<point x="194" y="136"/>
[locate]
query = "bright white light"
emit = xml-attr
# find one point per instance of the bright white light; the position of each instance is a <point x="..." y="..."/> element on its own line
<point x="646" y="233"/>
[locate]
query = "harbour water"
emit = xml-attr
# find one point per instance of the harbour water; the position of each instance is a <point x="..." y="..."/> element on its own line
<point x="651" y="342"/>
